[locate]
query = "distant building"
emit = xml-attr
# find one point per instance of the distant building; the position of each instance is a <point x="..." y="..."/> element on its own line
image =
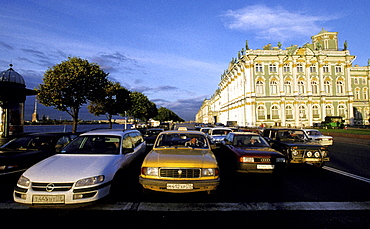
<point x="294" y="87"/>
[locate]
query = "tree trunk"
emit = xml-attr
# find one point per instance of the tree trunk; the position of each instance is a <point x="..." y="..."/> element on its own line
<point x="75" y="112"/>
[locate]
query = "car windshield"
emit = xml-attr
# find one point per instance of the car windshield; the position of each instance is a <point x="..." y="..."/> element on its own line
<point x="291" y="135"/>
<point x="314" y="132"/>
<point x="249" y="141"/>
<point x="182" y="140"/>
<point x="152" y="133"/>
<point x="94" y="144"/>
<point x="220" y="132"/>
<point x="31" y="142"/>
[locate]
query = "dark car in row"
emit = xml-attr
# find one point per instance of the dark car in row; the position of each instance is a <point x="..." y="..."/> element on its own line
<point x="19" y="154"/>
<point x="246" y="152"/>
<point x="296" y="146"/>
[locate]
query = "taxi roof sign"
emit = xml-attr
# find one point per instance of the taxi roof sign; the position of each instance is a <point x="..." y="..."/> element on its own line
<point x="182" y="128"/>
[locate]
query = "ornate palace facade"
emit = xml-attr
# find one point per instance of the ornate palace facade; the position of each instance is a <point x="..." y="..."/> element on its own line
<point x="297" y="86"/>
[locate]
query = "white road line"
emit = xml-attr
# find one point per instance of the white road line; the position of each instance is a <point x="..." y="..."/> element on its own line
<point x="347" y="174"/>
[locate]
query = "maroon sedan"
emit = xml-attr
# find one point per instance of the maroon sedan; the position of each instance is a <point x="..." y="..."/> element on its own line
<point x="250" y="153"/>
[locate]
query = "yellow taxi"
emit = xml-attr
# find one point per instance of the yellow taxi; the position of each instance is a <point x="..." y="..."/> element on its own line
<point x="181" y="161"/>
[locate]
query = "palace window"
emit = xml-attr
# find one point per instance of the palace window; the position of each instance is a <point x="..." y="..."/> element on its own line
<point x="302" y="111"/>
<point x="312" y="69"/>
<point x="301" y="87"/>
<point x="340" y="87"/>
<point x="261" y="112"/>
<point x="286" y="68"/>
<point x="259" y="68"/>
<point x="342" y="110"/>
<point x="288" y="112"/>
<point x="328" y="110"/>
<point x="365" y="93"/>
<point x="325" y="68"/>
<point x="316" y="111"/>
<point x="288" y="87"/>
<point x="275" y="112"/>
<point x="338" y="69"/>
<point x="272" y="68"/>
<point x="273" y="87"/>
<point x="260" y="87"/>
<point x="314" y="87"/>
<point x="357" y="93"/>
<point x="327" y="86"/>
<point x="299" y="68"/>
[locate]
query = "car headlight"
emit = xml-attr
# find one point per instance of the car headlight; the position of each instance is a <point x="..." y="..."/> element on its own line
<point x="24" y="181"/>
<point x="209" y="172"/>
<point x="295" y="152"/>
<point x="90" y="181"/>
<point x="317" y="154"/>
<point x="309" y="154"/>
<point x="280" y="160"/>
<point x="246" y="159"/>
<point x="150" y="171"/>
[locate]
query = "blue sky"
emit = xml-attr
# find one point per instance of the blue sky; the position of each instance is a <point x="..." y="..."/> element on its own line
<point x="172" y="51"/>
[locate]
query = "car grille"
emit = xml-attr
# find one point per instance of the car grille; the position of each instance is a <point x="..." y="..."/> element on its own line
<point x="263" y="159"/>
<point x="51" y="187"/>
<point x="180" y="173"/>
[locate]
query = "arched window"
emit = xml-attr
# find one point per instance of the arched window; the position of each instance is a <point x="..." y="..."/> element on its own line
<point x="329" y="110"/>
<point x="275" y="112"/>
<point x="301" y="87"/>
<point x="357" y="93"/>
<point x="316" y="111"/>
<point x="365" y="93"/>
<point x="342" y="111"/>
<point x="261" y="112"/>
<point x="340" y="87"/>
<point x="288" y="112"/>
<point x="314" y="87"/>
<point x="288" y="87"/>
<point x="302" y="111"/>
<point x="273" y="87"/>
<point x="260" y="87"/>
<point x="327" y="86"/>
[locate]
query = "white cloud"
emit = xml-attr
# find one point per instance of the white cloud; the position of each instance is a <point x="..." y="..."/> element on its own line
<point x="271" y="23"/>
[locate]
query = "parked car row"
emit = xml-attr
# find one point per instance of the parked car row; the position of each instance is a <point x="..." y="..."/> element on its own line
<point x="180" y="161"/>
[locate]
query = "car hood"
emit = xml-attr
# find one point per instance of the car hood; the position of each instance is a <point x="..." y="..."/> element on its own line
<point x="187" y="157"/>
<point x="72" y="167"/>
<point x="255" y="151"/>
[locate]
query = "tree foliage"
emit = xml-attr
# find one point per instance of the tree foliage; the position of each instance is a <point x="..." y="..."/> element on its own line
<point x="142" y="108"/>
<point x="72" y="83"/>
<point x="116" y="100"/>
<point x="165" y="114"/>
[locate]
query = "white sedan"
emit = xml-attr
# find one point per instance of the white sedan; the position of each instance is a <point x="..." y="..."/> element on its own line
<point x="83" y="172"/>
<point x="317" y="136"/>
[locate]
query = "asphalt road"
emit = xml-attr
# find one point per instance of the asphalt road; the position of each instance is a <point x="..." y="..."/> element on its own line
<point x="336" y="196"/>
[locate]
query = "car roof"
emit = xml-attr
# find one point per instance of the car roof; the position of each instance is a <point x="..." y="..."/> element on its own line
<point x="182" y="132"/>
<point x="244" y="133"/>
<point x="119" y="132"/>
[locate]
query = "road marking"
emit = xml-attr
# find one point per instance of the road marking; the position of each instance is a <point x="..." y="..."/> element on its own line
<point x="346" y="174"/>
<point x="209" y="207"/>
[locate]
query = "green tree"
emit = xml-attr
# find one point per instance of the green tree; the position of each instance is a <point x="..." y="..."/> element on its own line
<point x="142" y="108"/>
<point x="116" y="101"/>
<point x="71" y="84"/>
<point x="165" y="114"/>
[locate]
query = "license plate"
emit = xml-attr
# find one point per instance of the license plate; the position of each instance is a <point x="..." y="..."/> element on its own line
<point x="179" y="186"/>
<point x="265" y="166"/>
<point x="48" y="199"/>
<point x="313" y="159"/>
